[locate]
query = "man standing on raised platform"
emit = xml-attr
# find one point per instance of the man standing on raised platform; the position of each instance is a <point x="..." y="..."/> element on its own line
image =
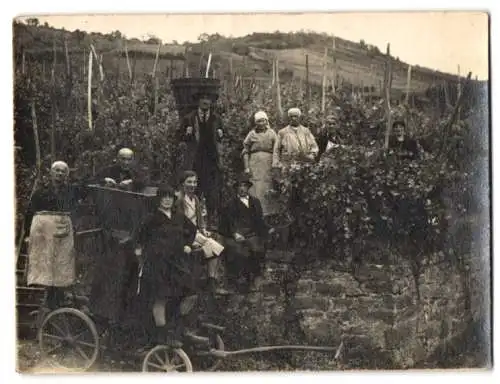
<point x="202" y="133"/>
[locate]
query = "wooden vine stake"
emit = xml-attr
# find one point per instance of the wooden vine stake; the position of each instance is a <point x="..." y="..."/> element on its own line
<point x="128" y="62"/>
<point x="68" y="65"/>
<point x="273" y="81"/>
<point x="53" y="72"/>
<point x="323" y="84"/>
<point x="155" y="65"/>
<point x="459" y="91"/>
<point x="278" y="90"/>
<point x="408" y="85"/>
<point x="453" y="117"/>
<point x="308" y="89"/>
<point x="208" y="64"/>
<point x="38" y="159"/>
<point x="388" y="98"/>
<point x="98" y="61"/>
<point x="334" y="69"/>
<point x="89" y="92"/>
<point x="446" y="95"/>
<point x="23" y="61"/>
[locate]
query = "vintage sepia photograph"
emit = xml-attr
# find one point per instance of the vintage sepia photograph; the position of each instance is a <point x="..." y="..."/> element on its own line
<point x="252" y="192"/>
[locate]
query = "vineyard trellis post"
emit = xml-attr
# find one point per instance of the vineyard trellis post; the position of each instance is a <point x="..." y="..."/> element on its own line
<point x="89" y="93"/>
<point x="453" y="118"/>
<point x="23" y="61"/>
<point x="155" y="64"/>
<point x="278" y="89"/>
<point x="208" y="65"/>
<point x="53" y="72"/>
<point x="408" y="85"/>
<point x="388" y="85"/>
<point x="323" y="83"/>
<point x="308" y="88"/>
<point x="446" y="95"/>
<point x="128" y="61"/>
<point x="38" y="169"/>
<point x="68" y="65"/>
<point x="334" y="69"/>
<point x="459" y="91"/>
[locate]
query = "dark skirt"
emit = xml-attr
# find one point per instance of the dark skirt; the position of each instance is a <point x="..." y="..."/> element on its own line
<point x="114" y="281"/>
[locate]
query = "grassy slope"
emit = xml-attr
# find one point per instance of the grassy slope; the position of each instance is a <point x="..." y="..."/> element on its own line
<point x="355" y="64"/>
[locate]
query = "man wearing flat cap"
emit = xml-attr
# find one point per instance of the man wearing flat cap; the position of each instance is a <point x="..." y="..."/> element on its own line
<point x="295" y="142"/>
<point x="244" y="230"/>
<point x="202" y="134"/>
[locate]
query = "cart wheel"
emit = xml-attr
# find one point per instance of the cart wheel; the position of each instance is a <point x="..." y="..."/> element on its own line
<point x="165" y="359"/>
<point x="68" y="340"/>
<point x="210" y="363"/>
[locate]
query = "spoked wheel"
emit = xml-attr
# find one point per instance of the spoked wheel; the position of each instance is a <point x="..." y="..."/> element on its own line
<point x="68" y="340"/>
<point x="165" y="359"/>
<point x="211" y="363"/>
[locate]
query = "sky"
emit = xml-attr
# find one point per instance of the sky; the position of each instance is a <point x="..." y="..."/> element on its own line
<point x="438" y="40"/>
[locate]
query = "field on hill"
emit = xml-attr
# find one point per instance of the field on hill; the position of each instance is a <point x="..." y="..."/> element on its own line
<point x="357" y="64"/>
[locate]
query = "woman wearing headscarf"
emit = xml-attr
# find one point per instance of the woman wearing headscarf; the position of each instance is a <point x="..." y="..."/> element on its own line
<point x="258" y="159"/>
<point x="51" y="258"/>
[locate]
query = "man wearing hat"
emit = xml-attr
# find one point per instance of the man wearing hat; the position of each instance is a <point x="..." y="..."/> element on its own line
<point x="202" y="133"/>
<point x="295" y="142"/>
<point x="245" y="232"/>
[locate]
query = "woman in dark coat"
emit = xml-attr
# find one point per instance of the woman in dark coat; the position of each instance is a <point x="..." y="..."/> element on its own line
<point x="163" y="242"/>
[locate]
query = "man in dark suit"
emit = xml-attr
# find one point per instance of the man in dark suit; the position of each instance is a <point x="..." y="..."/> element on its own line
<point x="244" y="230"/>
<point x="202" y="133"/>
<point x="123" y="174"/>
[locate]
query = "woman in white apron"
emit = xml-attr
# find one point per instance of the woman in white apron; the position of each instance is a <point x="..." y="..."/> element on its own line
<point x="258" y="159"/>
<point x="51" y="257"/>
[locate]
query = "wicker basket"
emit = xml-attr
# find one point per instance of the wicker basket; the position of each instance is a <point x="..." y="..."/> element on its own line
<point x="186" y="92"/>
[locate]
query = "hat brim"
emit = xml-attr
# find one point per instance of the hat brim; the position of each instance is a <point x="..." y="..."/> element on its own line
<point x="247" y="182"/>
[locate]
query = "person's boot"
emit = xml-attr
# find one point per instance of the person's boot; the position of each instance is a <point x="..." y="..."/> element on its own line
<point x="214" y="288"/>
<point x="167" y="337"/>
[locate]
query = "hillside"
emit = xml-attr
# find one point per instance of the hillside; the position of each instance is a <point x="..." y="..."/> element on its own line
<point x="358" y="64"/>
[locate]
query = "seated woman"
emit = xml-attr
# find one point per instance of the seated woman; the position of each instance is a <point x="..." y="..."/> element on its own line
<point x="161" y="244"/>
<point x="51" y="257"/>
<point x="245" y="232"/>
<point x="189" y="204"/>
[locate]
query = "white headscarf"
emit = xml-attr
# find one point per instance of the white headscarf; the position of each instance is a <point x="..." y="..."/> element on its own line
<point x="61" y="164"/>
<point x="125" y="152"/>
<point x="261" y="115"/>
<point x="294" y="112"/>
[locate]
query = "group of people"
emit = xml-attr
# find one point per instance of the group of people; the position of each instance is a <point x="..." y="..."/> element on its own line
<point x="178" y="226"/>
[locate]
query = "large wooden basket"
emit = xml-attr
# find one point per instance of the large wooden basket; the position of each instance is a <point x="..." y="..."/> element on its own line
<point x="186" y="92"/>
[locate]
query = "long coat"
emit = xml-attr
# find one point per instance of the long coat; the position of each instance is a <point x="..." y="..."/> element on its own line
<point x="236" y="217"/>
<point x="248" y="222"/>
<point x="163" y="240"/>
<point x="195" y="141"/>
<point x="202" y="154"/>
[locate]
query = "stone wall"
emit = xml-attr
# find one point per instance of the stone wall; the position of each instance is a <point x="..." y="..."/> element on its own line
<point x="376" y="314"/>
